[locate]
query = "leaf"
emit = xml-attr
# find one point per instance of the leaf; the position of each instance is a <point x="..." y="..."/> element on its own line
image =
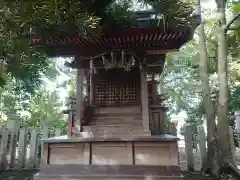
<point x="236" y="7"/>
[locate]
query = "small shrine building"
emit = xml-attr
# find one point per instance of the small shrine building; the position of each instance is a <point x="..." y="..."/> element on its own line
<point x="116" y="131"/>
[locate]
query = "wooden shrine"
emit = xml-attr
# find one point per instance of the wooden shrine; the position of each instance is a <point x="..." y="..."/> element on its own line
<point x="116" y="128"/>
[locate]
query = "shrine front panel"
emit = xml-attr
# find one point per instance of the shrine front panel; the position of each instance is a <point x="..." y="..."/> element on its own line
<point x="117" y="86"/>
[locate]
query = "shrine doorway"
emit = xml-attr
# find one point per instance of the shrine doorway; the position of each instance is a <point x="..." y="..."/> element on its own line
<point x="117" y="86"/>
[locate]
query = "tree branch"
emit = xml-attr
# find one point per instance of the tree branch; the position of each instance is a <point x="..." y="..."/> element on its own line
<point x="232" y="21"/>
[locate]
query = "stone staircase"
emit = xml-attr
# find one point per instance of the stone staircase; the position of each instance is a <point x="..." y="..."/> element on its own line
<point x="116" y="122"/>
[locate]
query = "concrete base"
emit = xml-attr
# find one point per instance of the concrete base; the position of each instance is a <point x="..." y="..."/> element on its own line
<point x="106" y="172"/>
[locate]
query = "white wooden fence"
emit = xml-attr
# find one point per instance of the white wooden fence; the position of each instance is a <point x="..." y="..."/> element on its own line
<point x="20" y="148"/>
<point x="191" y="158"/>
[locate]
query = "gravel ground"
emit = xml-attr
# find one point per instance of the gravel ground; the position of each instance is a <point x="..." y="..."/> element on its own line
<point x="28" y="175"/>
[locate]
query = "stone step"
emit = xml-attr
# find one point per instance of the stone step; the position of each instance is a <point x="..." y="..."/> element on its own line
<point x="116" y="116"/>
<point x="118" y="110"/>
<point x="124" y="118"/>
<point x="111" y="120"/>
<point x="129" y="122"/>
<point x="119" y="131"/>
<point x="102" y="123"/>
<point x="99" y="131"/>
<point x="117" y="134"/>
<point x="112" y="128"/>
<point x="117" y="125"/>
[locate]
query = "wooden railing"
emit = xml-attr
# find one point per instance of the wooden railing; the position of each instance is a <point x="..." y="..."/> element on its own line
<point x="71" y="111"/>
<point x="71" y="115"/>
<point x="87" y="111"/>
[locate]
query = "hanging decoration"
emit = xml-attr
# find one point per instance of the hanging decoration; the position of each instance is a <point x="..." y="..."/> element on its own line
<point x="116" y="61"/>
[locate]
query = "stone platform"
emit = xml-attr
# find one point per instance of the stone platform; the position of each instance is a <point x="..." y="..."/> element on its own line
<point x="147" y="157"/>
<point x="108" y="172"/>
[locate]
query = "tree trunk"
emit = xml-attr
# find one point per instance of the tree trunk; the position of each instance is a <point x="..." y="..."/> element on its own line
<point x="219" y="148"/>
<point x="223" y="137"/>
<point x="208" y="103"/>
<point x="223" y="122"/>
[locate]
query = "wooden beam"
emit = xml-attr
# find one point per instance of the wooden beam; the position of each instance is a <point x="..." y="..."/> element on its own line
<point x="164" y="51"/>
<point x="112" y="56"/>
<point x="113" y="60"/>
<point x="70" y="119"/>
<point x="155" y="65"/>
<point x="144" y="98"/>
<point x="79" y="97"/>
<point x="94" y="69"/>
<point x="123" y="57"/>
<point x="104" y="59"/>
<point x="129" y="64"/>
<point x="91" y="83"/>
<point x="133" y="62"/>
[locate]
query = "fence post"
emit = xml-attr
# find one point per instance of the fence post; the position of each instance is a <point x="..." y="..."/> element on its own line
<point x="189" y="147"/>
<point x="170" y="128"/>
<point x="237" y="126"/>
<point x="33" y="148"/>
<point x="13" y="121"/>
<point x="231" y="136"/>
<point x="13" y="126"/>
<point x="58" y="132"/>
<point x="22" y="147"/>
<point x="202" y="146"/>
<point x="174" y="129"/>
<point x="44" y="136"/>
<point x="3" y="148"/>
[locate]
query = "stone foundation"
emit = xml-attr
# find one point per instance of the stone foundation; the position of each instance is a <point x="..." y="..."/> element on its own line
<point x="108" y="172"/>
<point x="153" y="157"/>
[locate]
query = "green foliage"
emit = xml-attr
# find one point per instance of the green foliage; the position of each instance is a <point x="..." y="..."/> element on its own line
<point x="173" y="12"/>
<point x="234" y="32"/>
<point x="24" y="16"/>
<point x="185" y="86"/>
<point x="181" y="78"/>
<point x="37" y="110"/>
<point x="22" y="19"/>
<point x="11" y="101"/>
<point x="45" y="111"/>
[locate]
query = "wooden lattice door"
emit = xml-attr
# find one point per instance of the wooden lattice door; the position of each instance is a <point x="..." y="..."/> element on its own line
<point x="121" y="87"/>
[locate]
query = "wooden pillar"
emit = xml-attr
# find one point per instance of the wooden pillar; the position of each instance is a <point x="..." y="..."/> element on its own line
<point x="70" y="117"/>
<point x="162" y="120"/>
<point x="154" y="91"/>
<point x="91" y="83"/>
<point x="144" y="98"/>
<point x="79" y="98"/>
